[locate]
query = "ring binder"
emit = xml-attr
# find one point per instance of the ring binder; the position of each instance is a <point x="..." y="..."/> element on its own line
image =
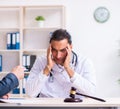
<point x="0" y="63"/>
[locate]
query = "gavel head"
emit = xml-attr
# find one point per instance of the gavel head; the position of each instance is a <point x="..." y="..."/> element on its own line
<point x="72" y="96"/>
<point x="72" y="92"/>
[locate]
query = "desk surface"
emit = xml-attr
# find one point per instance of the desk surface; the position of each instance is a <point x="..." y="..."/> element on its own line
<point x="58" y="102"/>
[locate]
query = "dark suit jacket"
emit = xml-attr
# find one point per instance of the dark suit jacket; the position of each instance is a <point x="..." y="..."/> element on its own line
<point x="8" y="83"/>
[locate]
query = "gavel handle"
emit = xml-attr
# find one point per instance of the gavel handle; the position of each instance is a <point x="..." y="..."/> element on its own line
<point x="99" y="99"/>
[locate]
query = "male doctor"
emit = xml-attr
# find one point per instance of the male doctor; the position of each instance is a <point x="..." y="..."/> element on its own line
<point x="54" y="75"/>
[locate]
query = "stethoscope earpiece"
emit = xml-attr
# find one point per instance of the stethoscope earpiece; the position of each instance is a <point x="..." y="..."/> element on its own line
<point x="74" y="59"/>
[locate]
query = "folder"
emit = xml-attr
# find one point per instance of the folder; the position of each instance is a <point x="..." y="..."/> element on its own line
<point x="13" y="40"/>
<point x="28" y="62"/>
<point x="24" y="82"/>
<point x="17" y="40"/>
<point x="9" y="40"/>
<point x="16" y="90"/>
<point x="24" y="62"/>
<point x="0" y="63"/>
<point x="32" y="60"/>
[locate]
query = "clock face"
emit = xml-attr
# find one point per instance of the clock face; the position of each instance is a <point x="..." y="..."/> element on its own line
<point x="101" y="14"/>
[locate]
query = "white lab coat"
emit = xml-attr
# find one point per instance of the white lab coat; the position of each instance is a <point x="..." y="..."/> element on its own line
<point x="84" y="79"/>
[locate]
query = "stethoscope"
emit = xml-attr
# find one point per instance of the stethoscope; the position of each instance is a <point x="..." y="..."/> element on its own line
<point x="74" y="63"/>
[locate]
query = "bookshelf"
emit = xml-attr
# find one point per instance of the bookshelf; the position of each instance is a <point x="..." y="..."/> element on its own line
<point x="33" y="39"/>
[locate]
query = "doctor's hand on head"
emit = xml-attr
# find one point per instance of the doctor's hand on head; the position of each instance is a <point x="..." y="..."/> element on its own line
<point x="66" y="63"/>
<point x="50" y="61"/>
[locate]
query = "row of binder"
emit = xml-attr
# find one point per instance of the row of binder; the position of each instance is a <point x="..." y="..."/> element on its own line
<point x="13" y="40"/>
<point x="17" y="89"/>
<point x="28" y="61"/>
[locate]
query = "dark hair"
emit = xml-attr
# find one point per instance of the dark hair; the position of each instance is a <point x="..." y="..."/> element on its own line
<point x="61" y="34"/>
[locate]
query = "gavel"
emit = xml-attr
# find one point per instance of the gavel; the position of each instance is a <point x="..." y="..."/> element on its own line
<point x="73" y="99"/>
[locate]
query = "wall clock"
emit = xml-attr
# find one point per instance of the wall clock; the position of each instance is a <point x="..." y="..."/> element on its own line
<point x="101" y="14"/>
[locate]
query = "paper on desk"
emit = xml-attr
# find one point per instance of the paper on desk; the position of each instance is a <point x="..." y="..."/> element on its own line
<point x="27" y="100"/>
<point x="22" y="101"/>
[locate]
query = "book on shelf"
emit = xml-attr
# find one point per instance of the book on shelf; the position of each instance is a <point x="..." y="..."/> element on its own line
<point x="13" y="43"/>
<point x="13" y="40"/>
<point x="16" y="90"/>
<point x="24" y="83"/>
<point x="9" y="40"/>
<point x="32" y="60"/>
<point x="17" y="40"/>
<point x="0" y="63"/>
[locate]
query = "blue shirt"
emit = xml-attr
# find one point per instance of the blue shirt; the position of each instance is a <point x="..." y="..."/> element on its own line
<point x="8" y="83"/>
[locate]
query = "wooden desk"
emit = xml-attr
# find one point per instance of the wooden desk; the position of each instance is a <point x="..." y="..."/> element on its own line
<point x="51" y="103"/>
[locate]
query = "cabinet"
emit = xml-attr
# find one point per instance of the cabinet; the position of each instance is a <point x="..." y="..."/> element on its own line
<point x="33" y="39"/>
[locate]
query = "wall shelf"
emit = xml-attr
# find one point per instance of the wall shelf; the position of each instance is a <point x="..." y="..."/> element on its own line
<point x="22" y="19"/>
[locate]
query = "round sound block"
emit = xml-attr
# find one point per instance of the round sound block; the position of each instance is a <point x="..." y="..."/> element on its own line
<point x="72" y="100"/>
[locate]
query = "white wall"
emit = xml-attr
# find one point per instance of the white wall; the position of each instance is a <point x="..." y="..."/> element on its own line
<point x="97" y="41"/>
